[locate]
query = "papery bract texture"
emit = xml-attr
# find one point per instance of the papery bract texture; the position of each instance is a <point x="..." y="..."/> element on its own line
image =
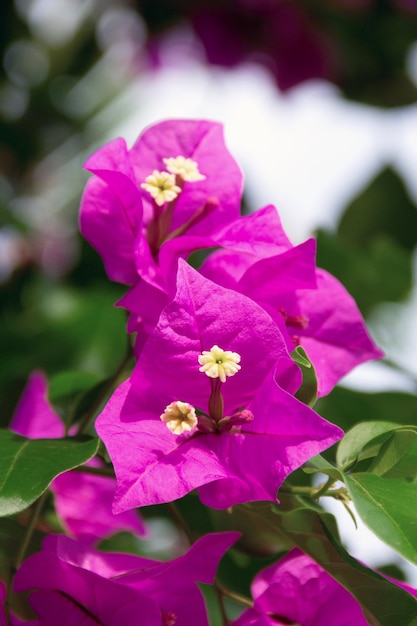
<point x="75" y="585"/>
<point x="122" y="219"/>
<point x="83" y="501"/>
<point x="247" y="443"/>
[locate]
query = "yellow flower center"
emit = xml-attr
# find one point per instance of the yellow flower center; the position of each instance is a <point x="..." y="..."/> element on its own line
<point x="179" y="417"/>
<point x="161" y="186"/>
<point x="219" y="363"/>
<point x="187" y="169"/>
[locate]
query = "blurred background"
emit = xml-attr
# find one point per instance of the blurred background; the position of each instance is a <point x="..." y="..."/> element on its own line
<point x="319" y="102"/>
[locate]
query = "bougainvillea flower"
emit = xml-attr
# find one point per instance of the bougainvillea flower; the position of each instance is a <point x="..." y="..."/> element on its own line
<point x="250" y="431"/>
<point x="319" y="315"/>
<point x="83" y="501"/>
<point x="279" y="35"/>
<point x="91" y="588"/>
<point x="296" y="590"/>
<point x="257" y="259"/>
<point x="178" y="178"/>
<point x="248" y="239"/>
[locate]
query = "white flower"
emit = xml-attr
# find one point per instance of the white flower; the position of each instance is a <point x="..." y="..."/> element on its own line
<point x="187" y="169"/>
<point x="219" y="363"/>
<point x="179" y="417"/>
<point x="161" y="186"/>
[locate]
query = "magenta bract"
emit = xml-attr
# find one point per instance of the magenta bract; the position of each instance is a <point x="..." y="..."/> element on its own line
<point x="127" y="225"/>
<point x="297" y="590"/>
<point x="82" y="586"/>
<point x="259" y="435"/>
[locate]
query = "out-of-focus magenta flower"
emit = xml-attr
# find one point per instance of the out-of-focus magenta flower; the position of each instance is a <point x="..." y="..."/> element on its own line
<point x="83" y="501"/>
<point x="176" y="426"/>
<point x="79" y="586"/>
<point x="296" y="590"/>
<point x="178" y="178"/>
<point x="278" y="35"/>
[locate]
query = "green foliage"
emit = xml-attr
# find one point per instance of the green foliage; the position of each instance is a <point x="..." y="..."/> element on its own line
<point x="307" y="393"/>
<point x="27" y="466"/>
<point x="57" y="328"/>
<point x="347" y="407"/>
<point x="370" y="252"/>
<point x="383" y="210"/>
<point x="388" y="508"/>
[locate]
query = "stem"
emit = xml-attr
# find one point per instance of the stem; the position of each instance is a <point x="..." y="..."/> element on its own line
<point x="30" y="528"/>
<point x="98" y="471"/>
<point x="315" y="492"/>
<point x="237" y="597"/>
<point x="220" y="598"/>
<point x="322" y="489"/>
<point x="300" y="491"/>
<point x="22" y="550"/>
<point x="106" y="389"/>
<point x="180" y="521"/>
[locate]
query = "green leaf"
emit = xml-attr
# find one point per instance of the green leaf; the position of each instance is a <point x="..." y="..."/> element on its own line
<point x="388" y="507"/>
<point x="347" y="407"/>
<point x="67" y="389"/>
<point x="384" y="207"/>
<point x="70" y="384"/>
<point x="379" y="272"/>
<point x="398" y="456"/>
<point x="28" y="466"/>
<point x="307" y="393"/>
<point x="319" y="464"/>
<point x="359" y="438"/>
<point x="384" y="604"/>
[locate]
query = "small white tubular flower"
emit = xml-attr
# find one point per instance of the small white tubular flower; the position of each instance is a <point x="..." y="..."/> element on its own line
<point x="179" y="417"/>
<point x="187" y="169"/>
<point x="161" y="186"/>
<point x="218" y="363"/>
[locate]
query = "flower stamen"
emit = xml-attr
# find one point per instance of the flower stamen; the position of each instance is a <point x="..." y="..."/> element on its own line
<point x="162" y="187"/>
<point x="219" y="363"/>
<point x="187" y="169"/>
<point x="180" y="417"/>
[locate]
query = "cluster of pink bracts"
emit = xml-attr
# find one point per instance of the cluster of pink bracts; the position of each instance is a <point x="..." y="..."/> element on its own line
<point x="210" y="404"/>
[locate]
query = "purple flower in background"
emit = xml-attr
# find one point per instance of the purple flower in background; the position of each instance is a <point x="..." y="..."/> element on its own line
<point x="79" y="586"/>
<point x="209" y="405"/>
<point x="296" y="590"/>
<point x="279" y="35"/>
<point x="82" y="501"/>
<point x="178" y="178"/>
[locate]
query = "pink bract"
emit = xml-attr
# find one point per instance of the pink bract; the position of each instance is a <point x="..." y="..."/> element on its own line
<point x="119" y="218"/>
<point x="76" y="585"/>
<point x="229" y="465"/>
<point x="297" y="590"/>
